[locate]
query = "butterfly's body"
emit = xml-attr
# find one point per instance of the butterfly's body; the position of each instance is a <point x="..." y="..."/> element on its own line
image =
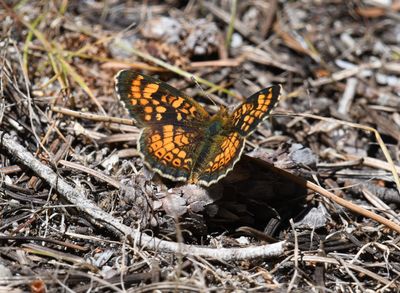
<point x="179" y="139"/>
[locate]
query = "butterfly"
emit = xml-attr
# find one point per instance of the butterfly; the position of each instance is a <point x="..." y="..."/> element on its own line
<point x="179" y="139"/>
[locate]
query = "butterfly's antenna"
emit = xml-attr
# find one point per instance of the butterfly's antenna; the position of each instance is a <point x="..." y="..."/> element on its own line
<point x="193" y="78"/>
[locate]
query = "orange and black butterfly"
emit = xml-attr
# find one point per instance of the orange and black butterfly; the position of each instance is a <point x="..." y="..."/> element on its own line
<point x="178" y="138"/>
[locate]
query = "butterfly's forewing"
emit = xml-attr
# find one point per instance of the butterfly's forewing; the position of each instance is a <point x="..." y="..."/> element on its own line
<point x="172" y="123"/>
<point x="151" y="101"/>
<point x="255" y="109"/>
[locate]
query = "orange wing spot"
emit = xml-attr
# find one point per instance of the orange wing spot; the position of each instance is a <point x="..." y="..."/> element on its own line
<point x="182" y="154"/>
<point x="143" y="102"/>
<point x="164" y="99"/>
<point x="225" y="144"/>
<point x="160" y="153"/>
<point x="192" y="110"/>
<point x="179" y="116"/>
<point x="136" y="82"/>
<point x="169" y="146"/>
<point x="177" y="162"/>
<point x="261" y="99"/>
<point x="155" y="137"/>
<point x="267" y="102"/>
<point x="184" y="111"/>
<point x="236" y="144"/>
<point x="133" y="102"/>
<point x="232" y="152"/>
<point x="168" y="157"/>
<point x="156" y="145"/>
<point x="175" y="151"/>
<point x="147" y="109"/>
<point x="167" y="137"/>
<point x="178" y="102"/>
<point x="135" y="89"/>
<point x="151" y="88"/>
<point x="178" y="139"/>
<point x="221" y="163"/>
<point x="185" y="139"/>
<point x="158" y="116"/>
<point x="246" y="118"/>
<point x="137" y="95"/>
<point x="171" y="99"/>
<point x="251" y="119"/>
<point x="245" y="127"/>
<point x="161" y="109"/>
<point x="258" y="114"/>
<point x="147" y="117"/>
<point x="214" y="167"/>
<point x="168" y="128"/>
<point x="155" y="102"/>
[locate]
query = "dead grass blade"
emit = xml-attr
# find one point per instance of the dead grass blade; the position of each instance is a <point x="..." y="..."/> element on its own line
<point x="92" y="117"/>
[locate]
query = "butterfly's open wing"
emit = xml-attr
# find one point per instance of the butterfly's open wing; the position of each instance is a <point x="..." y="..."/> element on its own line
<point x="153" y="102"/>
<point x="219" y="160"/>
<point x="172" y="123"/>
<point x="255" y="109"/>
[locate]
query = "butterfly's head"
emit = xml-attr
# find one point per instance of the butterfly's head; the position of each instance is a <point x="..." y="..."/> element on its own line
<point x="222" y="115"/>
<point x="223" y="112"/>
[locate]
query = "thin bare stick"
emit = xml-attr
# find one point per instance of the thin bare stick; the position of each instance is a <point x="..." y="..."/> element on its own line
<point x="93" y="117"/>
<point x="92" y="172"/>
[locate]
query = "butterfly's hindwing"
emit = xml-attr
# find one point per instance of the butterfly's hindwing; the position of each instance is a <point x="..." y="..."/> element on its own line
<point x="169" y="150"/>
<point x="224" y="151"/>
